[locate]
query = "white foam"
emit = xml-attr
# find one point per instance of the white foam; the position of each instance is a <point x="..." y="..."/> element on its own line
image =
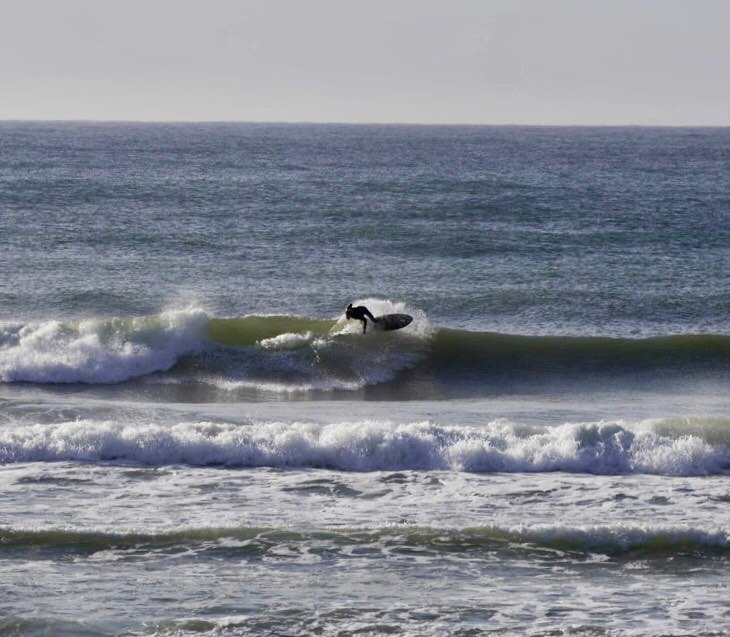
<point x="620" y="537"/>
<point x="97" y="350"/>
<point x="287" y="341"/>
<point x="227" y="384"/>
<point x="499" y="446"/>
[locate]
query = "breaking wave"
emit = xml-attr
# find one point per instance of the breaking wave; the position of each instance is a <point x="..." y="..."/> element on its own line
<point x="97" y="350"/>
<point x="661" y="447"/>
<point x="289" y="354"/>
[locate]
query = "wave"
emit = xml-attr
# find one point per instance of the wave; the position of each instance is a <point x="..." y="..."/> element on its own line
<point x="268" y="354"/>
<point x="619" y="540"/>
<point x="608" y="448"/>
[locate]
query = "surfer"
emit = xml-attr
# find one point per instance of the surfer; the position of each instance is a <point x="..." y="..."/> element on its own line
<point x="359" y="313"/>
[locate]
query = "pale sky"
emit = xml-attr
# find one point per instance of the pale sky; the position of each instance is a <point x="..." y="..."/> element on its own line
<point x="648" y="62"/>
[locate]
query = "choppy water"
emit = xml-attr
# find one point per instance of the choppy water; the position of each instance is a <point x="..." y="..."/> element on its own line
<point x="193" y="440"/>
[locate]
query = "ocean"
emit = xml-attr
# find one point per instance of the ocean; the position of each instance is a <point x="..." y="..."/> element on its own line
<point x="195" y="441"/>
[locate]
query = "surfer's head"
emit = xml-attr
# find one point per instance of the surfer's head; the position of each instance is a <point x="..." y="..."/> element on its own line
<point x="348" y="311"/>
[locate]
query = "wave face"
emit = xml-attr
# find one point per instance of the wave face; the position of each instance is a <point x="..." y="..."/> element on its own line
<point x="664" y="447"/>
<point x="282" y="354"/>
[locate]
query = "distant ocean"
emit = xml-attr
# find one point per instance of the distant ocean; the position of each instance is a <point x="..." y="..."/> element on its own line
<point x="194" y="441"/>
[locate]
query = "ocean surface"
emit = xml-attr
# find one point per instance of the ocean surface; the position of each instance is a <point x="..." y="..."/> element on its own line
<point x="194" y="441"/>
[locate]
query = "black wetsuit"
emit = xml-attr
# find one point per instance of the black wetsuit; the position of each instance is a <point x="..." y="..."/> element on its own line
<point x="359" y="313"/>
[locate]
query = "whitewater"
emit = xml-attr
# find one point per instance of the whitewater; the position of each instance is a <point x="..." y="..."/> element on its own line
<point x="600" y="448"/>
<point x="194" y="440"/>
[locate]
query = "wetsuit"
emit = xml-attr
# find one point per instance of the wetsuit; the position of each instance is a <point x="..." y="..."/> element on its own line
<point x="359" y="313"/>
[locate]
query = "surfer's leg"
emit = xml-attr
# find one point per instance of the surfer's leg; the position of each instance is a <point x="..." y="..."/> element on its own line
<point x="364" y="325"/>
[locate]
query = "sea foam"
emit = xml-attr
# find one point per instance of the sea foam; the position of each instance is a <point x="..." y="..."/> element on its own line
<point x="498" y="446"/>
<point x="97" y="350"/>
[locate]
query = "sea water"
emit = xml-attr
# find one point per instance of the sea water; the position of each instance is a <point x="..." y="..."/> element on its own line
<point x="193" y="439"/>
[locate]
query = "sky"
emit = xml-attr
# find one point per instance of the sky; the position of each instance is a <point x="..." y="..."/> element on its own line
<point x="555" y="62"/>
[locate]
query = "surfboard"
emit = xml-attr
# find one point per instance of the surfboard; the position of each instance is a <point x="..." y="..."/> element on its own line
<point x="389" y="322"/>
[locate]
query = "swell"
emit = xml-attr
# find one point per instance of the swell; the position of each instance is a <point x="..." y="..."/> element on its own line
<point x="689" y="448"/>
<point x="660" y="541"/>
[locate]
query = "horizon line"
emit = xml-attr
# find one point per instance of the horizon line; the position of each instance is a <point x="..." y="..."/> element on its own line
<point x="345" y="123"/>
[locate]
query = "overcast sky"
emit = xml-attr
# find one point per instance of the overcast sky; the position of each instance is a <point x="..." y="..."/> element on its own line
<point x="664" y="62"/>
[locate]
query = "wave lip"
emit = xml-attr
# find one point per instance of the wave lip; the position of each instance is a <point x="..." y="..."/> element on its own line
<point x="498" y="446"/>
